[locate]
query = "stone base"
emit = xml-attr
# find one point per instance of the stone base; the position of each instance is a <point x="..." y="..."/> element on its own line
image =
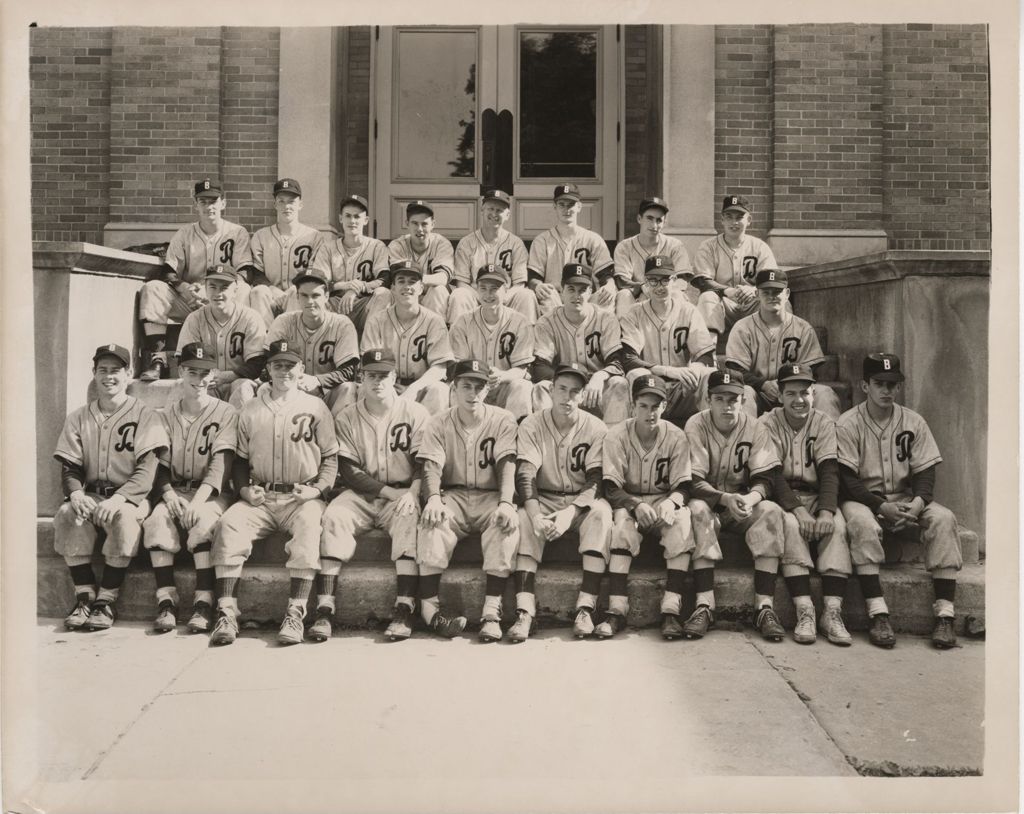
<point x="807" y="247"/>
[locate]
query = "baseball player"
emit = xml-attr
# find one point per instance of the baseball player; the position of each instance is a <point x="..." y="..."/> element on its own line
<point x="732" y="461"/>
<point x="887" y="462"/>
<point x="357" y="265"/>
<point x="376" y="464"/>
<point x="633" y="253"/>
<point x="326" y="341"/>
<point x="646" y="480"/>
<point x="192" y="482"/>
<point x="725" y="266"/>
<point x="567" y="242"/>
<point x="558" y="477"/>
<point x="285" y="463"/>
<point x="419" y="339"/>
<point x="234" y="332"/>
<point x="771" y="337"/>
<point x="578" y="332"/>
<point x="426" y="249"/>
<point x="502" y="338"/>
<point x="807" y="488"/>
<point x="279" y="252"/>
<point x="177" y="291"/>
<point x="491" y="245"/>
<point x="468" y="458"/>
<point x="108" y="456"/>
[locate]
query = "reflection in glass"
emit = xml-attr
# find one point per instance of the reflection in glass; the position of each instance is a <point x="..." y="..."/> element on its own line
<point x="558" y="104"/>
<point x="435" y="97"/>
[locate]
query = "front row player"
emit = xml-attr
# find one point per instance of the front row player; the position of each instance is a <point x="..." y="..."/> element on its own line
<point x="887" y="461"/>
<point x="108" y="455"/>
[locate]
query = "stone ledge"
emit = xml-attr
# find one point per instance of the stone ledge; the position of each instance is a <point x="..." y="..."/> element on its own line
<point x="89" y="258"/>
<point x="803" y="247"/>
<point x="888" y="266"/>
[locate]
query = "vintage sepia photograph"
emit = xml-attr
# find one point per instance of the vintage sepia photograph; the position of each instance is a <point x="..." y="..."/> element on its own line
<point x="592" y="409"/>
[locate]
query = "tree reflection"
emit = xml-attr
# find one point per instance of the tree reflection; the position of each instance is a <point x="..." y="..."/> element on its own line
<point x="465" y="165"/>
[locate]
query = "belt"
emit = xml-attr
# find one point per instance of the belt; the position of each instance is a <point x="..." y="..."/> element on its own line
<point x="187" y="484"/>
<point x="407" y="381"/>
<point x="281" y="488"/>
<point x="800" y="486"/>
<point x="557" y="494"/>
<point x="102" y="488"/>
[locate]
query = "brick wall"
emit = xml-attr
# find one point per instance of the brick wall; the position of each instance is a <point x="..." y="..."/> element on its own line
<point x="743" y="119"/>
<point x="69" y="72"/>
<point x="936" y="185"/>
<point x="355" y="158"/>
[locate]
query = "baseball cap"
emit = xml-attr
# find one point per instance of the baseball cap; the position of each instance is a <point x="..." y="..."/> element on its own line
<point x="405" y="267"/>
<point x="576" y="273"/>
<point x="492" y="272"/>
<point x="568" y="191"/>
<point x="225" y="273"/>
<point x="736" y="202"/>
<point x="118" y="352"/>
<point x="414" y="207"/>
<point x="771" y="278"/>
<point x="572" y="368"/>
<point x="650" y="203"/>
<point x="471" y="369"/>
<point x="795" y="373"/>
<point x="658" y="265"/>
<point x="282" y="349"/>
<point x="310" y="276"/>
<point x="288" y="185"/>
<point x="725" y="381"/>
<point x="358" y="200"/>
<point x="497" y="195"/>
<point x="208" y="187"/>
<point x="378" y="359"/>
<point x="195" y="355"/>
<point x="884" y="366"/>
<point x="649" y="384"/>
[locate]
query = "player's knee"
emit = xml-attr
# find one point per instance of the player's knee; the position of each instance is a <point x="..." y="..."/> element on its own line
<point x="699" y="509"/>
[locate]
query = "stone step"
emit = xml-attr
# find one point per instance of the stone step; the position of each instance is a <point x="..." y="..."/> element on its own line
<point x="366" y="595"/>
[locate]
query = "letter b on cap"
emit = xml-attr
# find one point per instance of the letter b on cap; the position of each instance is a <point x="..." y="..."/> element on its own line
<point x="887" y="364"/>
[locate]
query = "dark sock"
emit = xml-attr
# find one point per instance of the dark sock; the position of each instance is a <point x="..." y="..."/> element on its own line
<point x="113" y="577"/>
<point x="326" y="584"/>
<point x="833" y="586"/>
<point x="164" y="576"/>
<point x="870" y="586"/>
<point x="495" y="585"/>
<point x="430" y="585"/>
<point x="764" y="583"/>
<point x="300" y="587"/>
<point x="799" y="585"/>
<point x="154" y="343"/>
<point x="944" y="589"/>
<point x="204" y="579"/>
<point x="82" y="574"/>
<point x="227" y="587"/>
<point x="675" y="580"/>
<point x="524" y="581"/>
<point x="703" y="580"/>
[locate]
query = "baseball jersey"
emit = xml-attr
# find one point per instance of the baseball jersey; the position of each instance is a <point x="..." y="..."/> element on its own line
<point x="641" y="471"/>
<point x="191" y="251"/>
<point x="676" y="339"/>
<point x="323" y="349"/>
<point x="438" y="256"/>
<point x="590" y="343"/>
<point x="630" y="257"/>
<point x="108" y="448"/>
<point x="504" y="345"/>
<point x="802" y="451"/>
<point x="562" y="459"/>
<point x="281" y="257"/>
<point x="468" y="456"/>
<point x="194" y="441"/>
<point x="416" y="347"/>
<point x="239" y="338"/>
<point x="549" y="252"/>
<point x="884" y="458"/>
<point x="507" y="252"/>
<point x="732" y="267"/>
<point x="381" y="446"/>
<point x="754" y="346"/>
<point x="368" y="261"/>
<point x="285" y="440"/>
<point x="728" y="462"/>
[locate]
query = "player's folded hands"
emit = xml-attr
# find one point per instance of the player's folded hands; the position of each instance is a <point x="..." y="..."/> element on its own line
<point x="304" y="492"/>
<point x="435" y="513"/>
<point x="506" y="518"/>
<point x="107" y="510"/>
<point x="667" y="512"/>
<point x="176" y="505"/>
<point x="406" y="504"/>
<point x="646" y="517"/>
<point x="253" y="495"/>
<point x="561" y="521"/>
<point x="83" y="505"/>
<point x="736" y="505"/>
<point x="824" y="525"/>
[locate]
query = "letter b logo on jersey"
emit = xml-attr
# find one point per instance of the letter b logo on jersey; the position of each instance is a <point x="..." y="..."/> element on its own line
<point x="741" y="456"/>
<point x="661" y="467"/>
<point x="790" y="349"/>
<point x="302" y="256"/>
<point x="419" y="344"/>
<point x="506" y="344"/>
<point x="904" y="446"/>
<point x="209" y="433"/>
<point x="401" y="438"/>
<point x="809" y="450"/>
<point x="578" y="457"/>
<point x="304" y="423"/>
<point x="592" y="343"/>
<point x="326" y="353"/>
<point x="227" y="250"/>
<point x="126" y="436"/>
<point x="582" y="256"/>
<point x="749" y="268"/>
<point x="679" y="338"/>
<point x="365" y="271"/>
<point x="505" y="259"/>
<point x="486" y="453"/>
<point x="236" y="344"/>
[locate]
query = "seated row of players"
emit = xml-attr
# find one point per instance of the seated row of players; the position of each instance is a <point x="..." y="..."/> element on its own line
<point x="220" y="479"/>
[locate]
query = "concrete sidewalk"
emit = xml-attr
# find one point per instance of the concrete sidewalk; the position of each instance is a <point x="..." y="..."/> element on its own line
<point x="129" y="705"/>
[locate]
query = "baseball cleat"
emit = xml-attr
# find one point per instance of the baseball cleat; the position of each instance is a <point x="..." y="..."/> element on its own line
<point x="291" y="631"/>
<point x="448" y="628"/>
<point x="490" y="631"/>
<point x="943" y="636"/>
<point x="520" y="631"/>
<point x="881" y="633"/>
<point x="670" y="627"/>
<point x="804" y="632"/>
<point x="613" y="623"/>
<point x="832" y="628"/>
<point x="768" y="625"/>
<point x="166" y="617"/>
<point x="583" y="625"/>
<point x="154" y="372"/>
<point x="400" y="627"/>
<point x="202" y="618"/>
<point x="321" y="629"/>
<point x="79" y="616"/>
<point x="226" y="629"/>
<point x="101" y="616"/>
<point x="699" y="622"/>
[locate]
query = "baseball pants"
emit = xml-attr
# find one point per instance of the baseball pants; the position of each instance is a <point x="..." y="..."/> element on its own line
<point x="434" y="397"/>
<point x="243" y="523"/>
<point x="161" y="304"/>
<point x="762" y="530"/>
<point x="937" y="531"/>
<point x="470" y="510"/>
<point x="676" y="539"/>
<point x="594" y="527"/>
<point x="350" y="514"/>
<point x="121" y="536"/>
<point x="163" y="532"/>
<point x="833" y="553"/>
<point x="270" y="301"/>
<point x="614" y="407"/>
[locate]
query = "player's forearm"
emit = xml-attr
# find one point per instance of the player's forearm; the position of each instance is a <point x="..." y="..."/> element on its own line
<point x="828" y="485"/>
<point x="217" y="469"/>
<point x="257" y="277"/>
<point x="436" y="278"/>
<point x="749" y="376"/>
<point x="326" y="475"/>
<point x="431" y="479"/>
<point x="613" y="364"/>
<point x="618" y="497"/>
<point x="853" y="488"/>
<point x="251" y="368"/>
<point x="241" y="473"/>
<point x="631" y="360"/>
<point x="140" y="484"/>
<point x="507" y="479"/>
<point x="678" y="495"/>
<point x="526" y="482"/>
<point x="922" y="484"/>
<point x="784" y="494"/>
<point x="162" y="481"/>
<point x="703" y="284"/>
<point x="591" y="489"/>
<point x="358" y="479"/>
<point x="703" y="490"/>
<point x="763" y="482"/>
<point x="344" y="373"/>
<point x="72" y="477"/>
<point x="432" y="375"/>
<point x="543" y="370"/>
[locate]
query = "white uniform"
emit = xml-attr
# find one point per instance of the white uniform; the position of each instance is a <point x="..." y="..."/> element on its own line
<point x="439" y="256"/>
<point x="280" y="258"/>
<point x="235" y="341"/>
<point x="323" y="349"/>
<point x="630" y="258"/>
<point x="716" y="260"/>
<point x="508" y="253"/>
<point x="353" y="269"/>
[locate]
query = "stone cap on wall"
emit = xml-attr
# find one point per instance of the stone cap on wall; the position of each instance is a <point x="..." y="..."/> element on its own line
<point x="890" y="265"/>
<point x="92" y="259"/>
